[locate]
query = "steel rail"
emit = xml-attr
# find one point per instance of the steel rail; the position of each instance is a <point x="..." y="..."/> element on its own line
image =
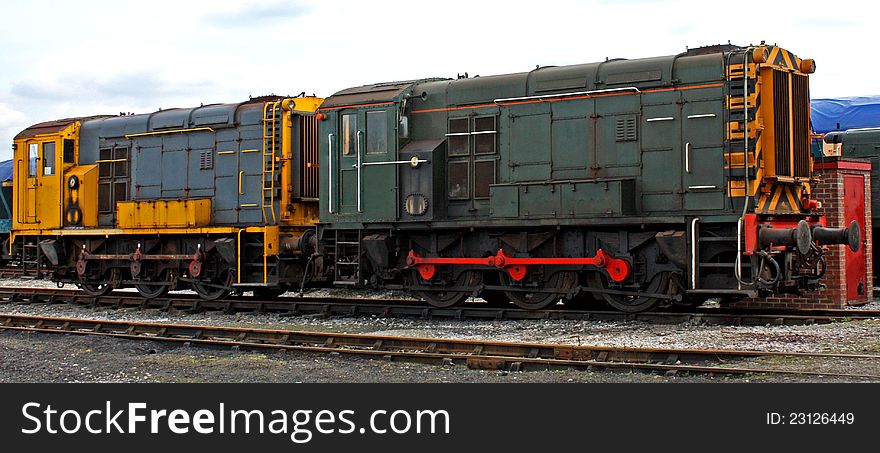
<point x="11" y="272"/>
<point x="402" y="308"/>
<point x="473" y="353"/>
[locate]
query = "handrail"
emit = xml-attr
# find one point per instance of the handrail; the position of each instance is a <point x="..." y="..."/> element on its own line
<point x="330" y="173"/>
<point x="359" y="169"/>
<point x="565" y="95"/>
<point x="173" y="131"/>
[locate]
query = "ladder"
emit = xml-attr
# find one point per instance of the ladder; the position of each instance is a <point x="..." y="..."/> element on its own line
<point x="271" y="149"/>
<point x="706" y="241"/>
<point x="30" y="258"/>
<point x="347" y="258"/>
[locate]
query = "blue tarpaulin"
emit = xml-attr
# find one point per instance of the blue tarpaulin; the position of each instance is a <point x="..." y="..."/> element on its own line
<point x="6" y="170"/>
<point x="845" y="113"/>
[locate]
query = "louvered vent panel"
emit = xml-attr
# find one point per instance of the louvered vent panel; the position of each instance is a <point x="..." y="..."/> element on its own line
<point x="206" y="159"/>
<point x="782" y="123"/>
<point x="800" y="105"/>
<point x="626" y="130"/>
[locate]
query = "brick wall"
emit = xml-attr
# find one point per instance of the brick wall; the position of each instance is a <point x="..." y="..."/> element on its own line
<point x="829" y="191"/>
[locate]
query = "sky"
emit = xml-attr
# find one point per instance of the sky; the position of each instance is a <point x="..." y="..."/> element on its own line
<point x="61" y="59"/>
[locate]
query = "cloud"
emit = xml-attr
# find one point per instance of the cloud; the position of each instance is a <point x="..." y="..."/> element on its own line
<point x="251" y="15"/>
<point x="123" y="86"/>
<point x="824" y="23"/>
<point x="11" y="123"/>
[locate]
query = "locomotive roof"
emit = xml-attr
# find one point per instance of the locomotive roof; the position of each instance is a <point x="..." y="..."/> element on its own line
<point x="208" y="115"/>
<point x="368" y="94"/>
<point x="51" y="127"/>
<point x="608" y="74"/>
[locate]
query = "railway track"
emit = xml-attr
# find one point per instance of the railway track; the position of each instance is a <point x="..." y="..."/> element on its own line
<point x="335" y="306"/>
<point x="11" y="272"/>
<point x="476" y="354"/>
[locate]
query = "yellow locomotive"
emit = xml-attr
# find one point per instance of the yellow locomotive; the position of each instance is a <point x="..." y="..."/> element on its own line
<point x="217" y="198"/>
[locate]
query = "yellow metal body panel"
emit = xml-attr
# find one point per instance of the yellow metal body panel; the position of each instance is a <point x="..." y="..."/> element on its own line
<point x="37" y="179"/>
<point x="304" y="104"/>
<point x="297" y="213"/>
<point x="164" y="213"/>
<point x="779" y="194"/>
<point x="82" y="200"/>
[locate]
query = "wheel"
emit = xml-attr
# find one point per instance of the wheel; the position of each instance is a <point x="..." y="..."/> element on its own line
<point x="214" y="288"/>
<point x="151" y="287"/>
<point x="631" y="304"/>
<point x="443" y="298"/>
<point x="96" y="289"/>
<point x="560" y="283"/>
<point x="495" y="298"/>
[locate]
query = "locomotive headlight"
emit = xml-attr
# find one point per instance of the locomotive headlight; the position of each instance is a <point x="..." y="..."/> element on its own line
<point x="760" y="54"/>
<point x="808" y="66"/>
<point x="73" y="182"/>
<point x="415" y="204"/>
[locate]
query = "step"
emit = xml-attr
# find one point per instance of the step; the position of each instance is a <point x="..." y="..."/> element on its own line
<point x="345" y="282"/>
<point x="718" y="239"/>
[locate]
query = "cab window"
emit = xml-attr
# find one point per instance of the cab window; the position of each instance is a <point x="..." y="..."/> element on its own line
<point x="48" y="159"/>
<point x="33" y="156"/>
<point x="377" y="132"/>
<point x="349" y="134"/>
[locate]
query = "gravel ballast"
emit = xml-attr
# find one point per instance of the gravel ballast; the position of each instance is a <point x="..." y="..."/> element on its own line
<point x="44" y="357"/>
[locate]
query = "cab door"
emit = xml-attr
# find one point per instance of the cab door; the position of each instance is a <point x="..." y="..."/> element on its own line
<point x="365" y="166"/>
<point x="703" y="155"/>
<point x="42" y="192"/>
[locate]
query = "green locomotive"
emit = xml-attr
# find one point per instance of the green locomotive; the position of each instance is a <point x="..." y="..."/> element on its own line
<point x="636" y="182"/>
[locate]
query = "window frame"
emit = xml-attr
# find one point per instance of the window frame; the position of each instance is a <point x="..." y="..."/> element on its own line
<point x="466" y="135"/>
<point x="382" y="132"/>
<point x="48" y="165"/>
<point x="471" y="158"/>
<point x="111" y="158"/>
<point x="468" y="192"/>
<point x="494" y="163"/>
<point x="348" y="132"/>
<point x="493" y="132"/>
<point x="33" y="159"/>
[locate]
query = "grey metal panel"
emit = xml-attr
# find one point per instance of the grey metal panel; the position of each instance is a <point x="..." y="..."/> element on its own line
<point x="227" y="135"/>
<point x="151" y="192"/>
<point x="89" y="136"/>
<point x="251" y="138"/>
<point x="226" y="164"/>
<point x="174" y="165"/>
<point x="213" y="115"/>
<point x="146" y="176"/>
<point x="197" y="178"/>
<point x="202" y="139"/>
<point x="251" y="115"/>
<point x="170" y="119"/>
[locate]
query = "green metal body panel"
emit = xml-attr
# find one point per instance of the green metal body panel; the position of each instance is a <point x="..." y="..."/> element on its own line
<point x="654" y="144"/>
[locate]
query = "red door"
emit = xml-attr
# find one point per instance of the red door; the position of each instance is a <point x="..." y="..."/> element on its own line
<point x="854" y="209"/>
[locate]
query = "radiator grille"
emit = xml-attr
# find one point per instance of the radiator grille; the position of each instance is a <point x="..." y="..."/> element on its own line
<point x="800" y="106"/>
<point x="308" y="139"/>
<point x="781" y="123"/>
<point x="791" y="110"/>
